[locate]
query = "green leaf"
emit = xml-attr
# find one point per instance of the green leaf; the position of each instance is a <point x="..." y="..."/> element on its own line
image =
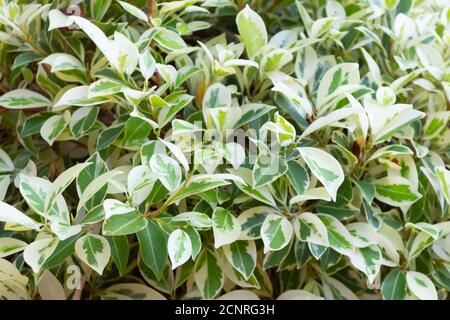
<point x="153" y="248"/>
<point x="394" y="285"/>
<point x="179" y="247"/>
<point x="99" y="8"/>
<point x="119" y="252"/>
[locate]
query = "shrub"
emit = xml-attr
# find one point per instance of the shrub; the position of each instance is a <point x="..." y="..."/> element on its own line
<point x="251" y="149"/>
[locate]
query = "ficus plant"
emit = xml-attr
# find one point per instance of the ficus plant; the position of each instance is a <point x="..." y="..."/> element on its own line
<point x="204" y="149"/>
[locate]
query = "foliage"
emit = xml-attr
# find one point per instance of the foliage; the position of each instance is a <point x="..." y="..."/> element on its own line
<point x="244" y="149"/>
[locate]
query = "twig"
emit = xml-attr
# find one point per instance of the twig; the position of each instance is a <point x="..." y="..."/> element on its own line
<point x="151" y="7"/>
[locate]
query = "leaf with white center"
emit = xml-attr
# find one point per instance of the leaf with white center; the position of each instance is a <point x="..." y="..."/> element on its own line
<point x="325" y="168"/>
<point x="432" y="230"/>
<point x="311" y="194"/>
<point x="298" y="295"/>
<point x="64" y="231"/>
<point x="94" y="250"/>
<point x="431" y="59"/>
<point x="234" y="153"/>
<point x="61" y="183"/>
<point x="124" y="224"/>
<point x="252" y="29"/>
<point x="176" y="151"/>
<point x="394" y="285"/>
<point x="11" y="215"/>
<point x="37" y="252"/>
<point x="396" y="123"/>
<point x="209" y="276"/>
<point x="216" y="96"/>
<point x="78" y="96"/>
<point x="241" y="255"/>
<point x="180" y="248"/>
<point x="390" y="151"/>
<point x="62" y="62"/>
<point x="276" y="232"/>
<point x="113" y="207"/>
<point x="239" y="295"/>
<point x="336" y="77"/>
<point x="23" y="99"/>
<point x="99" y="38"/>
<point x="9" y="246"/>
<point x="196" y="219"/>
<point x="308" y="227"/>
<point x="147" y="64"/>
<point x="339" y="237"/>
<point x="330" y="119"/>
<point x="57" y="20"/>
<point x="167" y="72"/>
<point x="82" y="120"/>
<point x="4" y="184"/>
<point x="167" y="170"/>
<point x="421" y="286"/>
<point x="140" y="183"/>
<point x="396" y="191"/>
<point x="306" y="63"/>
<point x="283" y="130"/>
<point x="138" y="13"/>
<point x="226" y="227"/>
<point x="169" y="40"/>
<point x="6" y="164"/>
